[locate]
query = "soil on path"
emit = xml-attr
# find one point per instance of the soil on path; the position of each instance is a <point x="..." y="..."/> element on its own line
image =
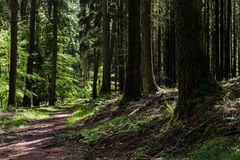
<point x="39" y="141"/>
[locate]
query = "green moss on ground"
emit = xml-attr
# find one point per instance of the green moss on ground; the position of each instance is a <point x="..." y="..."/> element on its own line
<point x="24" y="117"/>
<point x="218" y="148"/>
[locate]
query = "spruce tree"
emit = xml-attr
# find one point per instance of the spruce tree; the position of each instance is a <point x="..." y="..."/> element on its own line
<point x="194" y="79"/>
<point x="133" y="83"/>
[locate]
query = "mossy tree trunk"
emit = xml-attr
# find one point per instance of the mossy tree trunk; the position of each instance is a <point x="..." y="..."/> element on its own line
<point x="148" y="79"/>
<point x="194" y="79"/>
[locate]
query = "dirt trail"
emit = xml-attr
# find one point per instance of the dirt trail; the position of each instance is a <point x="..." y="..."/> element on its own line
<point x="39" y="141"/>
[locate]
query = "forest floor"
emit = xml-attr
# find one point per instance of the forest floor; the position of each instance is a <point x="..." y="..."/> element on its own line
<point x="101" y="129"/>
<point x="37" y="141"/>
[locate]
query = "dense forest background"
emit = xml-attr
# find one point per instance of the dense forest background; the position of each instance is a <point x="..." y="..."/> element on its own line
<point x="59" y="47"/>
<point x="58" y="51"/>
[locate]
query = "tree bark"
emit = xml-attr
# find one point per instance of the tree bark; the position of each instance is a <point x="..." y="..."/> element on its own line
<point x="27" y="98"/>
<point x="221" y="39"/>
<point x="14" y="54"/>
<point x="120" y="49"/>
<point x="54" y="54"/>
<point x="234" y="67"/>
<point x="216" y="41"/>
<point x="95" y="77"/>
<point x="133" y="78"/>
<point x="170" y="47"/>
<point x="228" y="40"/>
<point x="194" y="79"/>
<point x="148" y="79"/>
<point x="106" y="82"/>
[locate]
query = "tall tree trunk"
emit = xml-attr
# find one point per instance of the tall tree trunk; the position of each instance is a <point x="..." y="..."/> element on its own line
<point x="27" y="98"/>
<point x="238" y="43"/>
<point x="234" y="66"/>
<point x="159" y="50"/>
<point x="13" y="56"/>
<point x="208" y="29"/>
<point x="228" y="40"/>
<point x="113" y="48"/>
<point x="148" y="79"/>
<point x="120" y="49"/>
<point x="169" y="55"/>
<point x="133" y="78"/>
<point x="221" y="39"/>
<point x="194" y="79"/>
<point x="172" y="44"/>
<point x="95" y="76"/>
<point x="54" y="54"/>
<point x="106" y="82"/>
<point x="216" y="41"/>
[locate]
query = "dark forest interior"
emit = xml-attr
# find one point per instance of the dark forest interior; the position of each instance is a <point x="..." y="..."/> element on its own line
<point x="120" y="79"/>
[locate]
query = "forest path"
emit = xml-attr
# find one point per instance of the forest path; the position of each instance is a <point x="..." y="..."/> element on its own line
<point x="39" y="141"/>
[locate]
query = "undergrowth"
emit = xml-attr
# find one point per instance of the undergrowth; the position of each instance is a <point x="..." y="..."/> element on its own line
<point x="217" y="148"/>
<point x="90" y="107"/>
<point x="24" y="117"/>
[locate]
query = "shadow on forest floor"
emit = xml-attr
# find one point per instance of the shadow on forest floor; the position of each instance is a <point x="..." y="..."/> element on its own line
<point x="101" y="129"/>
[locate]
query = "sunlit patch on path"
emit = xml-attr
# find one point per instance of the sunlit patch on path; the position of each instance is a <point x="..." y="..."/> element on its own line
<point x="37" y="142"/>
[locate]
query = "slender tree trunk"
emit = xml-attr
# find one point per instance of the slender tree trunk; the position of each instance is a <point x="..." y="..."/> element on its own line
<point x="208" y="29"/>
<point x="106" y="82"/>
<point x="133" y="79"/>
<point x="113" y="51"/>
<point x="172" y="44"/>
<point x="148" y="79"/>
<point x="228" y="40"/>
<point x="217" y="65"/>
<point x="13" y="56"/>
<point x="39" y="59"/>
<point x="238" y="44"/>
<point x="194" y="79"/>
<point x="221" y="39"/>
<point x="234" y="67"/>
<point x="159" y="50"/>
<point x="169" y="55"/>
<point x="54" y="54"/>
<point x="120" y="49"/>
<point x="27" y="98"/>
<point x="95" y="77"/>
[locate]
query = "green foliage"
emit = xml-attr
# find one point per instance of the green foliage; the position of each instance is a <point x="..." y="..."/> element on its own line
<point x="80" y="114"/>
<point x="113" y="126"/>
<point x="139" y="152"/>
<point x="23" y="117"/>
<point x="16" y="121"/>
<point x="232" y="88"/>
<point x="71" y="60"/>
<point x="90" y="109"/>
<point x="220" y="148"/>
<point x="117" y="125"/>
